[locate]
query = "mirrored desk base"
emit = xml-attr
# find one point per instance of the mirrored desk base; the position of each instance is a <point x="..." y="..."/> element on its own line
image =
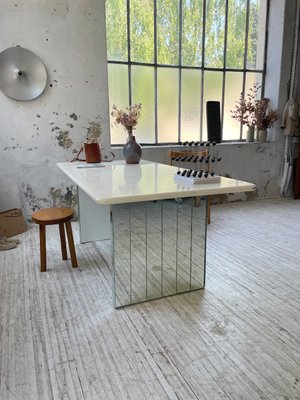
<point x="158" y="249"/>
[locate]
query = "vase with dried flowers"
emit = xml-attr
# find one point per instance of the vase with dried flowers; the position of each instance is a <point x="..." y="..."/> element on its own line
<point x="255" y="112"/>
<point x="265" y="116"/>
<point x="244" y="111"/>
<point x="128" y="118"/>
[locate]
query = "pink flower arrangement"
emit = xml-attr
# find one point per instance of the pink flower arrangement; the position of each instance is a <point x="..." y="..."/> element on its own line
<point x="245" y="108"/>
<point x="251" y="111"/>
<point x="128" y="117"/>
<point x="264" y="114"/>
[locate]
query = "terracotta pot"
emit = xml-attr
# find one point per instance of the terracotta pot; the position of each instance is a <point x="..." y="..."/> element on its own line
<point x="92" y="152"/>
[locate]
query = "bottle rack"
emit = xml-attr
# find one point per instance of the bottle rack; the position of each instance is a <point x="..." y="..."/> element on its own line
<point x="197" y="166"/>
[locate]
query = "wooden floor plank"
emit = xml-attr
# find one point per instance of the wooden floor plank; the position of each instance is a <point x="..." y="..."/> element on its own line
<point x="239" y="338"/>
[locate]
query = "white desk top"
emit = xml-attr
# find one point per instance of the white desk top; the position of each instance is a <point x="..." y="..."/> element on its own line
<point x="118" y="182"/>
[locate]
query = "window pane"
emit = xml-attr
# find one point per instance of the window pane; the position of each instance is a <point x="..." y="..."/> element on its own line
<point x="190" y="104"/>
<point x="251" y="78"/>
<point x="142" y="31"/>
<point x="143" y="92"/>
<point x="116" y="34"/>
<point x="167" y="32"/>
<point x="256" y="37"/>
<point x="167" y="104"/>
<point x="192" y="14"/>
<point x="237" y="13"/>
<point x="233" y="89"/>
<point x="118" y="95"/>
<point x="213" y="82"/>
<point x="214" y="33"/>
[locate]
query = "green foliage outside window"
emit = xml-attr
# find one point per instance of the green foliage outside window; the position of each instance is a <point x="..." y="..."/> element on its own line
<point x="182" y="28"/>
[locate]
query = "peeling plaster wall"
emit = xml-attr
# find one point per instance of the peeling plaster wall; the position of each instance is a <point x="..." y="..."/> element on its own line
<point x="69" y="37"/>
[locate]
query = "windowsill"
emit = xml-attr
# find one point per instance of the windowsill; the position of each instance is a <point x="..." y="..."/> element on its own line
<point x="175" y="146"/>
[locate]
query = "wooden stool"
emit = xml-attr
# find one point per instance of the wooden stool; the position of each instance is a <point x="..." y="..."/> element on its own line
<point x="53" y="216"/>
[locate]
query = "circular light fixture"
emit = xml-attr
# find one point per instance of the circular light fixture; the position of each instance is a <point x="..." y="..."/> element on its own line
<point x="23" y="75"/>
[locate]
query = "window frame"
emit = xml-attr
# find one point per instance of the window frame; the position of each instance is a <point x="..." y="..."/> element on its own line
<point x="155" y="65"/>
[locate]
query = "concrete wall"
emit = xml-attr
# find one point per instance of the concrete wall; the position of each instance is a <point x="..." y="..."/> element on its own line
<point x="69" y="36"/>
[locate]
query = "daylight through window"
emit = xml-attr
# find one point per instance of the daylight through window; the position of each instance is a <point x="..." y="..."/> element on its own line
<point x="175" y="55"/>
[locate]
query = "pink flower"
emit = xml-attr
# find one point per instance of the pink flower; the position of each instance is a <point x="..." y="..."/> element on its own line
<point x="128" y="117"/>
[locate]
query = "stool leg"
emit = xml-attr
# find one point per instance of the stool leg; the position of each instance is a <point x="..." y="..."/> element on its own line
<point x="43" y="247"/>
<point x="71" y="244"/>
<point x="63" y="242"/>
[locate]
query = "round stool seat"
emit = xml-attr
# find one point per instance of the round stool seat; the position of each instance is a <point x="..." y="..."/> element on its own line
<point x="52" y="216"/>
<point x="55" y="216"/>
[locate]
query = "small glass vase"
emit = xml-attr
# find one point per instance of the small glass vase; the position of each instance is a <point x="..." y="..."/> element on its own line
<point x="132" y="150"/>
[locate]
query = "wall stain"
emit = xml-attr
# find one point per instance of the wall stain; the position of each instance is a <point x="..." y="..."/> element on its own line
<point x="57" y="197"/>
<point x="73" y="116"/>
<point x="62" y="11"/>
<point x="64" y="199"/>
<point x="94" y="129"/>
<point x="261" y="149"/>
<point x="64" y="140"/>
<point x="70" y="125"/>
<point x="31" y="199"/>
<point x="266" y="185"/>
<point x="8" y="148"/>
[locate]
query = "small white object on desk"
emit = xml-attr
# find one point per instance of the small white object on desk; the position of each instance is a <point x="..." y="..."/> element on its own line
<point x="89" y="165"/>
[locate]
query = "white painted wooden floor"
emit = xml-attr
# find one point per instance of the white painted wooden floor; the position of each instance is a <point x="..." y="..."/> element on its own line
<point x="237" y="339"/>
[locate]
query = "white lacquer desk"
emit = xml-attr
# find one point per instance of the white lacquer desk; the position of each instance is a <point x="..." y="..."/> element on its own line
<point x="157" y="226"/>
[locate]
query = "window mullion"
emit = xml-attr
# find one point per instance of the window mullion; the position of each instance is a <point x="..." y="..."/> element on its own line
<point x="224" y="64"/>
<point x="202" y="67"/>
<point x="180" y="70"/>
<point x="245" y="56"/>
<point x="265" y="49"/>
<point x="155" y="72"/>
<point x="129" y="53"/>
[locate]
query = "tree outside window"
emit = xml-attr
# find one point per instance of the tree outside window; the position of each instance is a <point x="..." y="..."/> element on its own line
<point x="175" y="55"/>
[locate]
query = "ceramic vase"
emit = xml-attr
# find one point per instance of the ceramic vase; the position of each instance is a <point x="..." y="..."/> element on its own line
<point x="263" y="133"/>
<point x="250" y="134"/>
<point x="132" y="151"/>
